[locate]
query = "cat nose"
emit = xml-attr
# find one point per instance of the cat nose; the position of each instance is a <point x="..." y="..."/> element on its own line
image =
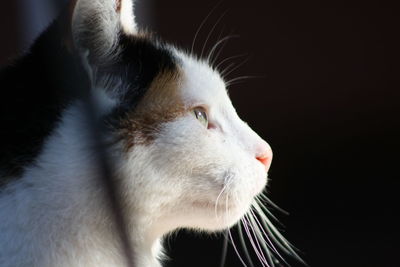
<point x="264" y="154"/>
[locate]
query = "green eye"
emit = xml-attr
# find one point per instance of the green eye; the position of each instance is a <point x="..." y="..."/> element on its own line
<point x="201" y="115"/>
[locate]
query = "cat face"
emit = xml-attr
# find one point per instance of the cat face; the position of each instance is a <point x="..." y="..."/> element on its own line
<point x="211" y="166"/>
<point x="222" y="157"/>
<point x="184" y="154"/>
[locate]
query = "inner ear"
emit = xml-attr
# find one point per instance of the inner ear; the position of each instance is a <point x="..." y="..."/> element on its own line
<point x="126" y="10"/>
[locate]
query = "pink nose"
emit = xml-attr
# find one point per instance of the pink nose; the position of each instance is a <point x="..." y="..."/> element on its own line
<point x="264" y="155"/>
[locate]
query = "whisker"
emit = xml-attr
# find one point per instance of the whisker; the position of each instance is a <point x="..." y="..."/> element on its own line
<point x="235" y="248"/>
<point x="240" y="78"/>
<point x="263" y="235"/>
<point x="225" y="73"/>
<point x="209" y="59"/>
<point x="263" y="243"/>
<point x="229" y="58"/>
<point x="259" y="256"/>
<point x="227" y="207"/>
<point x="211" y="32"/>
<point x="278" y="239"/>
<point x="222" y="47"/>
<point x="216" y="45"/>
<point x="258" y="224"/>
<point x="202" y="24"/>
<point x="230" y="66"/>
<point x="227" y="182"/>
<point x="270" y="202"/>
<point x="266" y="225"/>
<point x="243" y="242"/>
<point x="224" y="250"/>
<point x="255" y="234"/>
<point x="258" y="204"/>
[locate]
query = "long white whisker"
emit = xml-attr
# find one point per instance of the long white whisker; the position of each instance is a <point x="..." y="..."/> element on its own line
<point x="227" y="183"/>
<point x="263" y="209"/>
<point x="235" y="80"/>
<point x="270" y="202"/>
<point x="224" y="250"/>
<point x="263" y="243"/>
<point x="228" y="58"/>
<point x="221" y="48"/>
<point x="202" y="24"/>
<point x="262" y="229"/>
<point x="263" y="235"/>
<point x="235" y="248"/>
<point x="278" y="239"/>
<point x="246" y="251"/>
<point x="219" y="39"/>
<point x="216" y="45"/>
<point x="253" y="244"/>
<point x="227" y="69"/>
<point x="266" y="225"/>
<point x="256" y="234"/>
<point x="210" y="33"/>
<point x="209" y="58"/>
<point x="225" y="74"/>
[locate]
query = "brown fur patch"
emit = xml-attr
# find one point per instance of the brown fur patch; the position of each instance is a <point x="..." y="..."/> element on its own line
<point x="161" y="103"/>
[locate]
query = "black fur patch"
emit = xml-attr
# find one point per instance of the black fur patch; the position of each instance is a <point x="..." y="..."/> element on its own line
<point x="38" y="87"/>
<point x="140" y="61"/>
<point x="34" y="92"/>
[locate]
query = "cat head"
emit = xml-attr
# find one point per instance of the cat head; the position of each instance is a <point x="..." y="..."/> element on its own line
<point x="184" y="155"/>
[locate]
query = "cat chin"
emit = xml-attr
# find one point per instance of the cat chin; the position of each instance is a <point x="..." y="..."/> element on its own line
<point x="226" y="220"/>
<point x="217" y="217"/>
<point x="260" y="185"/>
<point x="227" y="211"/>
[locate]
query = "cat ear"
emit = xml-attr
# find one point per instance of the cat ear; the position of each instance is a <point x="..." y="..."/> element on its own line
<point x="97" y="24"/>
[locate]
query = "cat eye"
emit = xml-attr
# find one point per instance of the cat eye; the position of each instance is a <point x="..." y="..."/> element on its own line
<point x="201" y="115"/>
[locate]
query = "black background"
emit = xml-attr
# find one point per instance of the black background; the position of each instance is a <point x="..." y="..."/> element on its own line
<point x="326" y="98"/>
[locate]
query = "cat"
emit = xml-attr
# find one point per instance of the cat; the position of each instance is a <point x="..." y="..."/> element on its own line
<point x="180" y="155"/>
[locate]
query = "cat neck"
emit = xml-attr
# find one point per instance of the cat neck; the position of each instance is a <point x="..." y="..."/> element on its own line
<point x="66" y="215"/>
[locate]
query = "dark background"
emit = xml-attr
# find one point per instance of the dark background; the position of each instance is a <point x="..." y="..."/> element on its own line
<point x="326" y="98"/>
